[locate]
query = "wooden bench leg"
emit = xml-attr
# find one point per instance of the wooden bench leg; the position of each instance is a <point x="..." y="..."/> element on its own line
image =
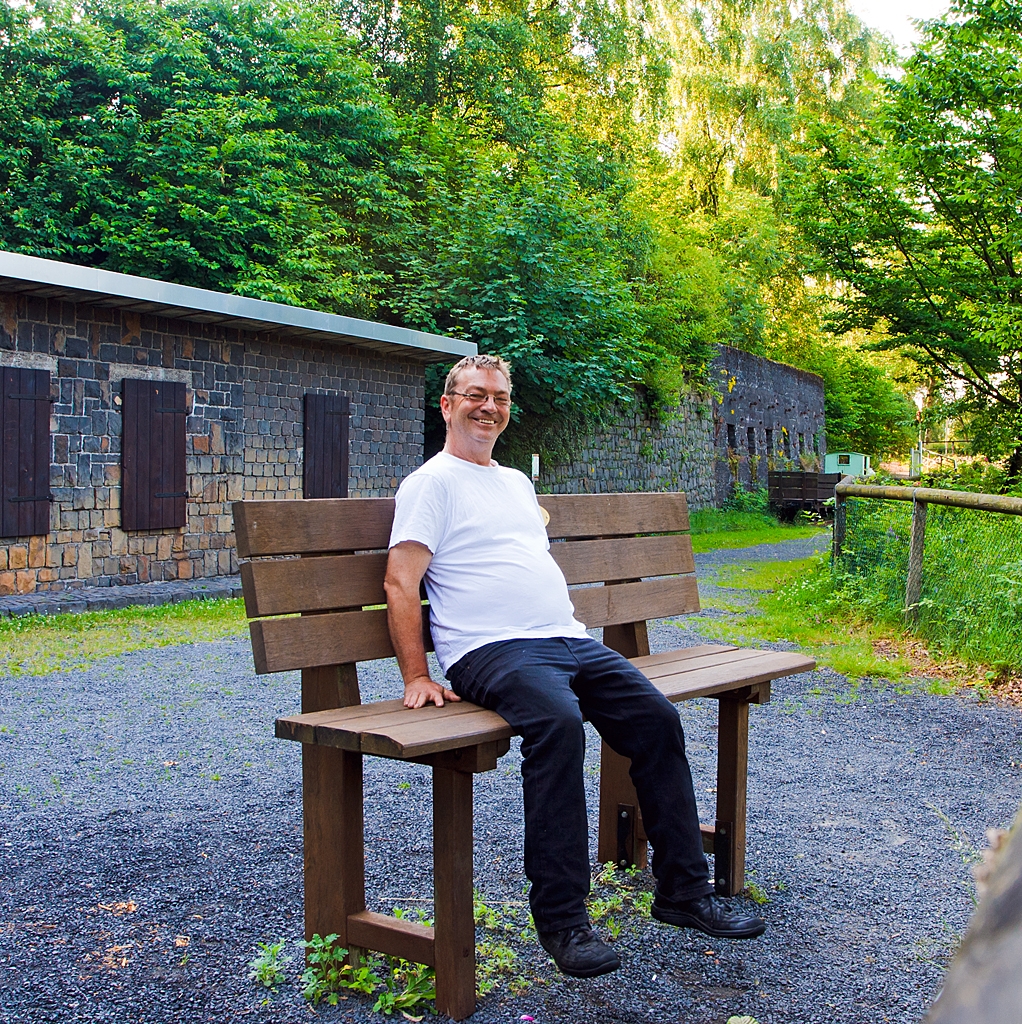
<point x="621" y="837"/>
<point x="332" y="812"/>
<point x="334" y="859"/>
<point x="453" y="924"/>
<point x="732" y="778"/>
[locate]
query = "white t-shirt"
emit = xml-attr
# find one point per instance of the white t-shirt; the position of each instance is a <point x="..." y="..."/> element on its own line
<point x="492" y="577"/>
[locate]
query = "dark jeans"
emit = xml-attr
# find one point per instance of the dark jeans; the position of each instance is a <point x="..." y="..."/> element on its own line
<point x="543" y="688"/>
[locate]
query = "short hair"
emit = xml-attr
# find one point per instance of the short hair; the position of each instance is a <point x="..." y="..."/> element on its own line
<point x="481" y="362"/>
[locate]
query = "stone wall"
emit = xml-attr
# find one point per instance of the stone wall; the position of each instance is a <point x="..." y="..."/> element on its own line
<point x="635" y="451"/>
<point x="766" y="416"/>
<point x="243" y="434"/>
<point x="759" y="415"/>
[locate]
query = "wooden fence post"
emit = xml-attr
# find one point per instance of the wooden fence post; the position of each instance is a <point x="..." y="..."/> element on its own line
<point x="840" y="519"/>
<point x="914" y="582"/>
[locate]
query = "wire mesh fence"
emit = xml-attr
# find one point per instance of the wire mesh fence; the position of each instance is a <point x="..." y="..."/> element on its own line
<point x="971" y="594"/>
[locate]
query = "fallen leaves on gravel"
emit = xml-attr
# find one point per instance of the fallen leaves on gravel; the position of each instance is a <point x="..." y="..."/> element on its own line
<point x="181" y="941"/>
<point x="119" y="909"/>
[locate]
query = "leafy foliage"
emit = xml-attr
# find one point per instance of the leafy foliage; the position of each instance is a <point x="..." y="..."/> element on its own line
<point x="915" y="206"/>
<point x="590" y="189"/>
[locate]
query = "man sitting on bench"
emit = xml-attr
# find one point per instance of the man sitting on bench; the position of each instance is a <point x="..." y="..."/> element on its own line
<point x="506" y="638"/>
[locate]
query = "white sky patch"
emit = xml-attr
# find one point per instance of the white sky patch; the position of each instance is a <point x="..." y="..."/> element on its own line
<point x="895" y="17"/>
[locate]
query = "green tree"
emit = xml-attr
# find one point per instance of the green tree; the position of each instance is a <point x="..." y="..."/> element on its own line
<point x="240" y="147"/>
<point x="916" y="210"/>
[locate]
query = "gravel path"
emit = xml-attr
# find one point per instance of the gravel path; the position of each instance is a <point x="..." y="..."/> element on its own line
<point x="150" y="836"/>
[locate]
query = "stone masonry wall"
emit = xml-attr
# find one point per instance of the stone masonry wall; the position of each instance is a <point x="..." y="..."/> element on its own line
<point x="636" y="452"/>
<point x="710" y="442"/>
<point x="243" y="434"/>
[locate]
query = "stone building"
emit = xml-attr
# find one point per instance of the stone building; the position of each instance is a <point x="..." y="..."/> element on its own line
<point x="766" y="416"/>
<point x="757" y="415"/>
<point x="134" y="411"/>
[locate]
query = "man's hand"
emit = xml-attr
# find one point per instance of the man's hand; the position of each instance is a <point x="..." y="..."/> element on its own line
<point x="421" y="690"/>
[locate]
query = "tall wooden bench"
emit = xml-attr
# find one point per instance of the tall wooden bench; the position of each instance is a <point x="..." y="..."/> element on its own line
<point x="313" y="585"/>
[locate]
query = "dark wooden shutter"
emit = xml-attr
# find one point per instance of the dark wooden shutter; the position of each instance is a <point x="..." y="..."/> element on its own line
<point x="153" y="455"/>
<point x="25" y="460"/>
<point x="326" y="447"/>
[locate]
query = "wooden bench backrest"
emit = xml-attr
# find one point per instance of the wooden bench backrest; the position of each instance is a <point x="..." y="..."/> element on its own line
<point x="321" y="562"/>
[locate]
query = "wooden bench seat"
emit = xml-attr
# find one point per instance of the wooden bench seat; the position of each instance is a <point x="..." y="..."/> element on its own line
<point x="313" y="585"/>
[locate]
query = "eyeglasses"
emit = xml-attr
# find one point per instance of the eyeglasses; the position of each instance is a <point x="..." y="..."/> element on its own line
<point x="478" y="397"/>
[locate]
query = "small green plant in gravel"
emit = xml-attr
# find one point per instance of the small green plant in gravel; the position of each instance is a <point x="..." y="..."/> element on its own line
<point x="756" y="893"/>
<point x="405" y="986"/>
<point x="267" y="967"/>
<point x="497" y="959"/>
<point x="326" y="973"/>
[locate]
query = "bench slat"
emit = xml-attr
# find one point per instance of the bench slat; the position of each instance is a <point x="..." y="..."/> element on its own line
<point x="313" y="584"/>
<point x="390" y="730"/>
<point x="631" y="602"/>
<point x="595" y="561"/>
<point x="338" y="638"/>
<point x="312" y="526"/>
<point x="325" y="525"/>
<point x="711" y="659"/>
<point x="609" y="515"/>
<point x="716" y="679"/>
<point x="331" y="582"/>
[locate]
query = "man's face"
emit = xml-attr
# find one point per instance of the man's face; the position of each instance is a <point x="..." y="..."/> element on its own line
<point x="473" y="422"/>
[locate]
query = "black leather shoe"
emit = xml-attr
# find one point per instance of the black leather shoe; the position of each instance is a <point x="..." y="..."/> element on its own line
<point x="580" y="952"/>
<point x="708" y="916"/>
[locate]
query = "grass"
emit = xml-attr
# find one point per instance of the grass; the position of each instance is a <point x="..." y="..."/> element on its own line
<point x="798" y="602"/>
<point x="971" y="605"/>
<point x="713" y="529"/>
<point x="39" y="644"/>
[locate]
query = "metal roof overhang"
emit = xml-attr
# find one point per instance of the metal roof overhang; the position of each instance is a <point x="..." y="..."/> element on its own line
<point x="52" y="279"/>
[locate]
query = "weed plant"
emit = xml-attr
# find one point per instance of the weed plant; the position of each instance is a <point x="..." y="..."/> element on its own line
<point x="267" y="968"/>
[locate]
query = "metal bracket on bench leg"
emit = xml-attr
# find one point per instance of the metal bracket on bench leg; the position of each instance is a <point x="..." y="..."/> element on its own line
<point x="625" y="835"/>
<point x="723" y="832"/>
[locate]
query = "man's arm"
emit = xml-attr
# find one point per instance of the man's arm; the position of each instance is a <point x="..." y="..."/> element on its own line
<point x="406" y="565"/>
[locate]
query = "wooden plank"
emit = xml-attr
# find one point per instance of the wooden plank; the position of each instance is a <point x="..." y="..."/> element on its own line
<point x="628" y="602"/>
<point x="732" y="780"/>
<point x="131" y="463"/>
<point x="312" y="446"/>
<point x="333" y="840"/>
<point x="318" y="526"/>
<point x="38" y="512"/>
<point x="178" y="478"/>
<point x="616" y="789"/>
<point x="679" y="655"/>
<point x="595" y="561"/>
<point x="388" y="729"/>
<point x="454" y="939"/>
<point x="630" y="639"/>
<point x="608" y="515"/>
<point x="332" y="814"/>
<point x="313" y="584"/>
<point x="330" y="686"/>
<point x="709" y="659"/>
<point x="281" y="645"/>
<point x="393" y="936"/>
<point x="482" y="757"/>
<point x="718" y="679"/>
<point x="8" y="454"/>
<point x="417" y="740"/>
<point x="325" y="446"/>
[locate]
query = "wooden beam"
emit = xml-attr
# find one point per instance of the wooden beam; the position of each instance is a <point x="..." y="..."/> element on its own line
<point x="914" y="580"/>
<point x="393" y="936"/>
<point x="454" y="925"/>
<point x="732" y="777"/>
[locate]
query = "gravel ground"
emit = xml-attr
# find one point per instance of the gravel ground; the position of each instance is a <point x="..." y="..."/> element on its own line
<point x="150" y="836"/>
